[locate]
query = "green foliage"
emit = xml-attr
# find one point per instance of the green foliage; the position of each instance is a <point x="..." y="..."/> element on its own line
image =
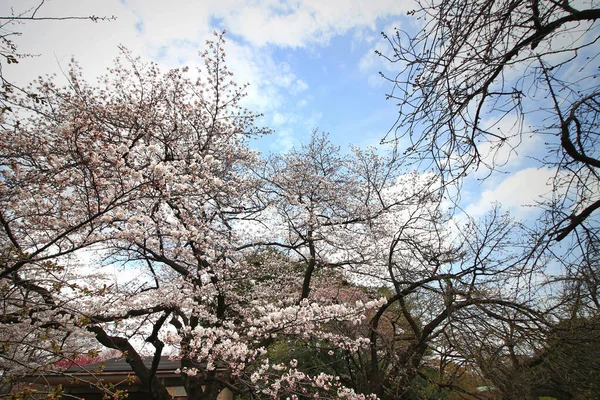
<point x="570" y="366"/>
<point x="425" y="386"/>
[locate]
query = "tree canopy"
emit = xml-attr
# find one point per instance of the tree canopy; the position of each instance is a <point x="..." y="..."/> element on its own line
<point x="479" y="84"/>
<point x="316" y="273"/>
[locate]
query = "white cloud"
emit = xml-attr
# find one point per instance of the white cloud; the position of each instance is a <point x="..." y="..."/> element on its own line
<point x="282" y="141"/>
<point x="175" y="30"/>
<point x="312" y="121"/>
<point x="299" y="86"/>
<point x="304" y="22"/>
<point x="53" y="43"/>
<point x="363" y="35"/>
<point x="371" y="63"/>
<point x="511" y="152"/>
<point x="172" y="33"/>
<point x="279" y="118"/>
<point x="515" y="193"/>
<point x="271" y="82"/>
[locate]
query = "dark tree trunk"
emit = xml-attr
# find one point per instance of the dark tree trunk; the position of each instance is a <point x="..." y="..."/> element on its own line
<point x="157" y="390"/>
<point x="197" y="390"/>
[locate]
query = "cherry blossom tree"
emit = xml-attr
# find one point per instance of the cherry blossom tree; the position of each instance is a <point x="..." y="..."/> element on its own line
<point x="152" y="171"/>
<point x="362" y="219"/>
<point x="321" y="201"/>
<point x="350" y="255"/>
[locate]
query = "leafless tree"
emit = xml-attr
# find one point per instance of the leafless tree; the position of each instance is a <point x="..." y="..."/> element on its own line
<point x="480" y="78"/>
<point x="476" y="83"/>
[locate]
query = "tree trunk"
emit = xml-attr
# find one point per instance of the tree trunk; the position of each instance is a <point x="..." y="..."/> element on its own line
<point x="196" y="390"/>
<point x="157" y="390"/>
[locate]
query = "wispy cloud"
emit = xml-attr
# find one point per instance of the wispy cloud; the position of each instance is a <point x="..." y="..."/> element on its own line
<point x="305" y="22"/>
<point x="516" y="192"/>
<point x="263" y="34"/>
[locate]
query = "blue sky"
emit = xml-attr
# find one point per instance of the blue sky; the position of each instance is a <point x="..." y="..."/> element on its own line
<point x="310" y="63"/>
